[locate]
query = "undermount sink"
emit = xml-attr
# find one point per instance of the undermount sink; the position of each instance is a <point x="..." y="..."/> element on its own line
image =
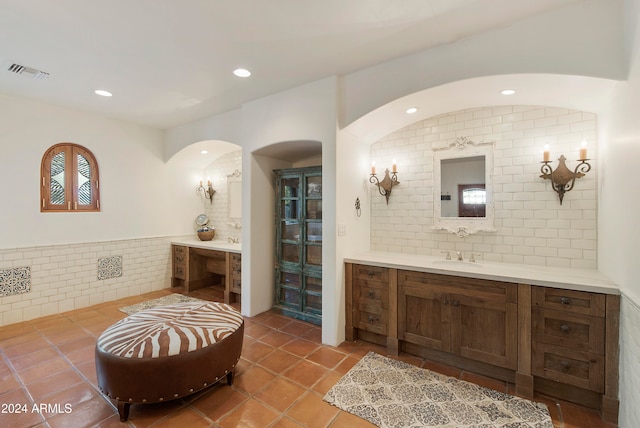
<point x="457" y="263"/>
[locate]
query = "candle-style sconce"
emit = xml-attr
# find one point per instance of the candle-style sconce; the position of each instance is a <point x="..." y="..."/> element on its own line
<point x="563" y="179"/>
<point x="207" y="192"/>
<point x="386" y="185"/>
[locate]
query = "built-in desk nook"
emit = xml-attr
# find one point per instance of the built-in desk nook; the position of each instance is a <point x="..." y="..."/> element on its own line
<point x="197" y="264"/>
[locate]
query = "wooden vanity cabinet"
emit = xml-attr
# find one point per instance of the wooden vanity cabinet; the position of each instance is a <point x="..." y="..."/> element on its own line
<point x="473" y="318"/>
<point x="575" y="336"/>
<point x="559" y="342"/>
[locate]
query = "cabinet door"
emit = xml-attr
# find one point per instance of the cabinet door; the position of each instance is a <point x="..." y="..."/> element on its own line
<point x="425" y="317"/>
<point x="484" y="328"/>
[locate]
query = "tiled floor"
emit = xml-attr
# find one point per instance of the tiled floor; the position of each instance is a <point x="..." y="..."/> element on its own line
<point x="282" y="376"/>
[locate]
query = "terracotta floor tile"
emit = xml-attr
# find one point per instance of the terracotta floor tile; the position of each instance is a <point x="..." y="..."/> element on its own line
<point x="250" y="414"/>
<point x="42" y="388"/>
<point x="276" y="338"/>
<point x="347" y="364"/>
<point x="253" y="379"/>
<point x="312" y="411"/>
<point x="281" y="394"/>
<point x="70" y="335"/>
<point x="184" y="417"/>
<point x="74" y="395"/>
<point x="10" y="342"/>
<point x="297" y="328"/>
<point x="285" y="422"/>
<point x="34" y="362"/>
<point x="219" y="401"/>
<point x="88" y="369"/>
<point x="24" y="348"/>
<point x="45" y="369"/>
<point x="256" y="331"/>
<point x="276" y="321"/>
<point x="22" y="416"/>
<point x="24" y="362"/>
<point x="326" y="357"/>
<point x="279" y="361"/>
<point x="300" y="347"/>
<point x="255" y="351"/>
<point x="86" y="414"/>
<point x="15" y="330"/>
<point x="327" y="382"/>
<point x="8" y="381"/>
<point x="144" y="415"/>
<point x="314" y="335"/>
<point x="306" y="373"/>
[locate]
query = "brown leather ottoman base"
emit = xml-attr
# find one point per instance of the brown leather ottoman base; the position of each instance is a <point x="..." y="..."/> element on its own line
<point x="130" y="372"/>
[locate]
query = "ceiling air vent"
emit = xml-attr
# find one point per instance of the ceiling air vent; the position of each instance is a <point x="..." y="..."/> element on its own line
<point x="28" y="71"/>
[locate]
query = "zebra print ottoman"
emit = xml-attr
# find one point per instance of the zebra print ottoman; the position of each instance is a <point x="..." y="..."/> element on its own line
<point x="168" y="352"/>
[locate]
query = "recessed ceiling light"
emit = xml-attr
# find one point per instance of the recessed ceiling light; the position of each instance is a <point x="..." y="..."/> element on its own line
<point x="412" y="110"/>
<point x="242" y="72"/>
<point x="103" y="93"/>
<point x="507" y="92"/>
<point x="203" y="152"/>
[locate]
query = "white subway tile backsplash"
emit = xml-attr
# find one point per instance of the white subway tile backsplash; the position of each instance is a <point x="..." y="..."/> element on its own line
<point x="526" y="208"/>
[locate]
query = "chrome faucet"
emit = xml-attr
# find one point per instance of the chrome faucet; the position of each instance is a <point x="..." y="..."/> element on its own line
<point x="448" y="255"/>
<point x="233" y="240"/>
<point x="459" y="254"/>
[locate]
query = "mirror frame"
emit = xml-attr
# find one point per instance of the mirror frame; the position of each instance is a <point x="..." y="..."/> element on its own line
<point x="235" y="177"/>
<point x="463" y="147"/>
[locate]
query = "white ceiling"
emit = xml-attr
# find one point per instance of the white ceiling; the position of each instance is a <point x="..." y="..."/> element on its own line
<point x="170" y="62"/>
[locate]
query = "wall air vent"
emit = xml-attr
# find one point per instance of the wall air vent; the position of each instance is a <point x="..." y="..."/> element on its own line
<point x="28" y="71"/>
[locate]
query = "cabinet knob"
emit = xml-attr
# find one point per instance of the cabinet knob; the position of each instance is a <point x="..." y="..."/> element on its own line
<point x="371" y="293"/>
<point x="370" y="274"/>
<point x="455" y="303"/>
<point x="565" y="300"/>
<point x="565" y="365"/>
<point x="372" y="318"/>
<point x="564" y="328"/>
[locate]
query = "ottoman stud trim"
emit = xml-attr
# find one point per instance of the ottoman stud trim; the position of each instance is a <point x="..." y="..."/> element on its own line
<point x="175" y="395"/>
<point x="190" y="389"/>
<point x="161" y="399"/>
<point x="144" y="400"/>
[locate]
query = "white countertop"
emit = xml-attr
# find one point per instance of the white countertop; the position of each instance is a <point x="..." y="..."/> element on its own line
<point x="220" y="245"/>
<point x="572" y="279"/>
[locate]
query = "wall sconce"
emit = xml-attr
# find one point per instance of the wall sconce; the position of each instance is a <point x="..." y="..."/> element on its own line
<point x="386" y="185"/>
<point x="206" y="192"/>
<point x="563" y="179"/>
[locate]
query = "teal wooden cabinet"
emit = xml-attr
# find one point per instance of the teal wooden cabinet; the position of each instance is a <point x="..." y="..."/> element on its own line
<point x="298" y="270"/>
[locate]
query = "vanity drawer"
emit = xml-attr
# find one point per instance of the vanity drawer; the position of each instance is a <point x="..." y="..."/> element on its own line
<point x="179" y="271"/>
<point x="578" y="332"/>
<point x="578" y="302"/>
<point x="179" y="254"/>
<point x="236" y="262"/>
<point x="372" y="318"/>
<point x="371" y="273"/>
<point x="372" y="291"/>
<point x="582" y="369"/>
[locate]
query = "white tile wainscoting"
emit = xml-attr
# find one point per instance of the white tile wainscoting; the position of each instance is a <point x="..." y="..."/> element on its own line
<point x="67" y="277"/>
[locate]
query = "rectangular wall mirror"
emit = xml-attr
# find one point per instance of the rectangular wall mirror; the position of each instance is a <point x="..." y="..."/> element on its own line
<point x="463" y="187"/>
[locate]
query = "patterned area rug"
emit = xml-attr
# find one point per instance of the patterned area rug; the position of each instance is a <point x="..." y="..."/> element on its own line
<point x="162" y="301"/>
<point x="390" y="393"/>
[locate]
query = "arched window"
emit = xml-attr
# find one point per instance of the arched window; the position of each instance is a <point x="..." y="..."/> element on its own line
<point x="69" y="179"/>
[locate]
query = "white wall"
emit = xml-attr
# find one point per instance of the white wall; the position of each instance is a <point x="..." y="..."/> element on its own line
<point x="143" y="200"/>
<point x="561" y="41"/>
<point x="306" y="113"/>
<point x="135" y="183"/>
<point x="619" y="233"/>
<point x="532" y="226"/>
